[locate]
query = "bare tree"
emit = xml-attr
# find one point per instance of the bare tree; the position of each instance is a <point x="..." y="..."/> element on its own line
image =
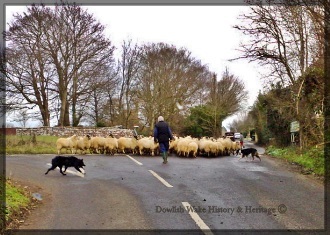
<point x="27" y="68"/>
<point x="111" y="107"/>
<point x="169" y="79"/>
<point x="230" y="94"/>
<point x="226" y="97"/>
<point x="22" y="117"/>
<point x="100" y="104"/>
<point x="279" y="38"/>
<point x="286" y="37"/>
<point x="128" y="68"/>
<point x="243" y="123"/>
<point x="3" y="102"/>
<point x="56" y="52"/>
<point x="83" y="51"/>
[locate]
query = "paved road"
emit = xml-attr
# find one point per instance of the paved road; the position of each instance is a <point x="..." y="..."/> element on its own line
<point x="121" y="192"/>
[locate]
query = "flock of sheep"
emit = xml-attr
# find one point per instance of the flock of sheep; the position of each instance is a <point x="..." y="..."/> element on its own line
<point x="182" y="146"/>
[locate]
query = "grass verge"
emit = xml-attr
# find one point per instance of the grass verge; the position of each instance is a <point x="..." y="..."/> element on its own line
<point x="311" y="160"/>
<point x="16" y="144"/>
<point x="18" y="203"/>
<point x="16" y="198"/>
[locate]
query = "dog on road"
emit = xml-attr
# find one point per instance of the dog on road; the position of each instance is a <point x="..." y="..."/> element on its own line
<point x="246" y="152"/>
<point x="60" y="161"/>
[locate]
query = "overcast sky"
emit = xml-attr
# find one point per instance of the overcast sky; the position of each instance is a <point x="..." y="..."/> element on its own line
<point x="206" y="31"/>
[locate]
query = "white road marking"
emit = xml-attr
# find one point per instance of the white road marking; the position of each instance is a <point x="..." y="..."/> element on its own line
<point x="136" y="161"/>
<point x="206" y="230"/>
<point x="71" y="172"/>
<point x="161" y="179"/>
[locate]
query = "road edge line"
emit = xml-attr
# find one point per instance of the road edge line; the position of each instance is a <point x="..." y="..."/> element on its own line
<point x="200" y="223"/>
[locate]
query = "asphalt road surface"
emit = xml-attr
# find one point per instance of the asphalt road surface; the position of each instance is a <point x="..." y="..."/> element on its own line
<point x="202" y="194"/>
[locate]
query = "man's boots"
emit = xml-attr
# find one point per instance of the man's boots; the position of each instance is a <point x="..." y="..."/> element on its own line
<point x="164" y="157"/>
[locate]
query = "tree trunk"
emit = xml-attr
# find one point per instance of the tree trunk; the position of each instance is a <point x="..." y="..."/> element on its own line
<point x="63" y="95"/>
<point x="67" y="115"/>
<point x="45" y="117"/>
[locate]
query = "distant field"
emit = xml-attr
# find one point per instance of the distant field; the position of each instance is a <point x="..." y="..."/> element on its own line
<point x="16" y="144"/>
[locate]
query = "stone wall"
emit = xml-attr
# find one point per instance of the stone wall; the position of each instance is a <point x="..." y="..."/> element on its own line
<point x="79" y="131"/>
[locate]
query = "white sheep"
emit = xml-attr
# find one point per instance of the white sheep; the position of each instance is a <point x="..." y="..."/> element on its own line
<point x="182" y="146"/>
<point x="187" y="146"/>
<point x="220" y="147"/>
<point x="97" y="144"/>
<point x="192" y="148"/>
<point x="83" y="144"/>
<point x="127" y="143"/>
<point x="208" y="147"/>
<point x="147" y="144"/>
<point x="211" y="148"/>
<point x="203" y="145"/>
<point x="173" y="145"/>
<point x="227" y="144"/>
<point x="111" y="145"/>
<point x="66" y="143"/>
<point x="235" y="146"/>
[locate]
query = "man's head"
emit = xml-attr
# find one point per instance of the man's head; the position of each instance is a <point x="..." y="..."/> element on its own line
<point x="160" y="118"/>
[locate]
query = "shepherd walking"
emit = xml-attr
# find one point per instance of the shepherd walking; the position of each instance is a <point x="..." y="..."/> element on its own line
<point x="162" y="135"/>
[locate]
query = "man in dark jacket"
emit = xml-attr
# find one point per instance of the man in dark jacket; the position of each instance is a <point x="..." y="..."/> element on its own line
<point x="162" y="135"/>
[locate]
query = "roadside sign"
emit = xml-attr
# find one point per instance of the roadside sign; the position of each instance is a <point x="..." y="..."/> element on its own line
<point x="294" y="126"/>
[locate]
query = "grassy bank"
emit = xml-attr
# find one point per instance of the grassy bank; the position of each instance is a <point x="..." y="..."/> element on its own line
<point x="16" y="199"/>
<point x="18" y="203"/>
<point x="16" y="144"/>
<point x="312" y="160"/>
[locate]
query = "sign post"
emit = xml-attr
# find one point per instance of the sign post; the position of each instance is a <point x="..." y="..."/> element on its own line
<point x="134" y="131"/>
<point x="294" y="129"/>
